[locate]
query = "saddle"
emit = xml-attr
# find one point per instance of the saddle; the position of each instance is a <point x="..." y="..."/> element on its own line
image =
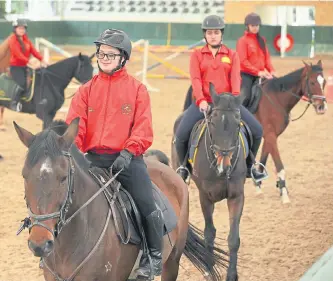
<point x="9" y="88"/>
<point x="256" y="93"/>
<point x="125" y="211"/>
<point x="198" y="131"/>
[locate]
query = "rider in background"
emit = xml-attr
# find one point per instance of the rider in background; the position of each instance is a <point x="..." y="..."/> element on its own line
<point x="255" y="61"/>
<point x="218" y="64"/>
<point x="21" y="48"/>
<point x="115" y="131"/>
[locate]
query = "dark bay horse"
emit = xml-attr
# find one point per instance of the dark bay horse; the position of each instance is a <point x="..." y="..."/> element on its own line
<point x="73" y="227"/>
<point x="279" y="96"/>
<point x="219" y="170"/>
<point x="47" y="94"/>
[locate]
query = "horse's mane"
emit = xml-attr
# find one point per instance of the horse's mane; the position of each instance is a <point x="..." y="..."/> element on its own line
<point x="45" y="143"/>
<point x="288" y="81"/>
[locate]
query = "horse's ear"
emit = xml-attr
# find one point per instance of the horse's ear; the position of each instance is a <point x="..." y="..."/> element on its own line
<point x="80" y="56"/>
<point x="25" y="136"/>
<point x="92" y="56"/>
<point x="307" y="69"/>
<point x="213" y="93"/>
<point x="305" y="63"/>
<point x="320" y="63"/>
<point x="69" y="136"/>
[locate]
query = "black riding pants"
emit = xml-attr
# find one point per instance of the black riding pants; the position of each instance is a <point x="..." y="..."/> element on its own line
<point x="19" y="74"/>
<point x="135" y="180"/>
<point x="246" y="87"/>
<point x="193" y="115"/>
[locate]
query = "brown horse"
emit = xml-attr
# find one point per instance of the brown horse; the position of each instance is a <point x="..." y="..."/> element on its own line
<point x="278" y="96"/>
<point x="75" y="229"/>
<point x="4" y="64"/>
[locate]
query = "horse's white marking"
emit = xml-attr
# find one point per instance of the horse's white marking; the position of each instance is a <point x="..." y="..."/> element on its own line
<point x="108" y="267"/>
<point x="46" y="166"/>
<point x="321" y="80"/>
<point x="222" y="119"/>
<point x="282" y="175"/>
<point x="220" y="167"/>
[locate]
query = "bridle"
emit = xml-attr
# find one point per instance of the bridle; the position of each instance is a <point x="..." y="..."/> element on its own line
<point x="37" y="220"/>
<point x="216" y="150"/>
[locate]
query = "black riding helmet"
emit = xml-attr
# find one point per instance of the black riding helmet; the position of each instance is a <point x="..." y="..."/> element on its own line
<point x="252" y="19"/>
<point x="118" y="39"/>
<point x="20" y="22"/>
<point x="213" y="22"/>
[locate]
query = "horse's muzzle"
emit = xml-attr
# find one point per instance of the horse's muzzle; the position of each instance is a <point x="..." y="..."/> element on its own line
<point x="224" y="164"/>
<point x="42" y="250"/>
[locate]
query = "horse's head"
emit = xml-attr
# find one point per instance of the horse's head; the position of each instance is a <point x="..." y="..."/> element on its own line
<point x="84" y="71"/>
<point x="224" y="126"/>
<point x="313" y="86"/>
<point x="48" y="180"/>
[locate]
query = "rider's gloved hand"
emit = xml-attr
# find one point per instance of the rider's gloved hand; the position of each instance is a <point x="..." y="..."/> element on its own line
<point x="203" y="106"/>
<point x="122" y="161"/>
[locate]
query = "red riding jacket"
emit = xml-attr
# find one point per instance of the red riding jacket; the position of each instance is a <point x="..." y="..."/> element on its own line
<point x="223" y="71"/>
<point x="252" y="58"/>
<point x="115" y="114"/>
<point x="17" y="56"/>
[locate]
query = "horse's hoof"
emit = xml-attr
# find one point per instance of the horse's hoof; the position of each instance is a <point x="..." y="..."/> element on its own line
<point x="284" y="196"/>
<point x="258" y="190"/>
<point x="1" y="158"/>
<point x="232" y="278"/>
<point x="3" y="128"/>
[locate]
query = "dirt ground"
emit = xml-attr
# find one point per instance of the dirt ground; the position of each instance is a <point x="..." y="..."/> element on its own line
<point x="278" y="242"/>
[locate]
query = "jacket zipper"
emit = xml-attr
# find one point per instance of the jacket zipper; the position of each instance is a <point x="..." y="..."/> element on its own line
<point x="106" y="107"/>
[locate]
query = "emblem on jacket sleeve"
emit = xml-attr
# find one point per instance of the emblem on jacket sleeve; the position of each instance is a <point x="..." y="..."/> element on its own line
<point x="126" y="108"/>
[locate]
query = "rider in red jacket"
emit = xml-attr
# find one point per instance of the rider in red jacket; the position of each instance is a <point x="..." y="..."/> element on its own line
<point x="255" y="60"/>
<point x="20" y="48"/>
<point x="220" y="65"/>
<point x="116" y="129"/>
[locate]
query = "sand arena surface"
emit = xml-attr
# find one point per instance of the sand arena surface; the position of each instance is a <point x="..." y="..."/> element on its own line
<point x="278" y="242"/>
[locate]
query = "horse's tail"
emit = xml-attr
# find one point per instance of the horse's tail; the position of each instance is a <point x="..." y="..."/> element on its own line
<point x="188" y="99"/>
<point x="206" y="262"/>
<point x="159" y="155"/>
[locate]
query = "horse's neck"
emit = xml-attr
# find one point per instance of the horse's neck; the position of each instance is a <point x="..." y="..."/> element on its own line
<point x="63" y="72"/>
<point x="291" y="97"/>
<point x="81" y="234"/>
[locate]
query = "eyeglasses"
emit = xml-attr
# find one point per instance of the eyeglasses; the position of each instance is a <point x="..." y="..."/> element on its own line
<point x="108" y="56"/>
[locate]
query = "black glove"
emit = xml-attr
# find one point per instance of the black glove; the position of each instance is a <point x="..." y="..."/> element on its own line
<point x="122" y="161"/>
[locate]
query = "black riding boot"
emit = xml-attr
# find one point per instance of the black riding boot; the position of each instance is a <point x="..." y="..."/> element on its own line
<point x="181" y="148"/>
<point x="154" y="227"/>
<point x="252" y="172"/>
<point x="15" y="104"/>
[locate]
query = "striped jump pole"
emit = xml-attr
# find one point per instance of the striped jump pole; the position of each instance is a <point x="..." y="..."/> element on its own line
<point x="162" y="76"/>
<point x="170" y="57"/>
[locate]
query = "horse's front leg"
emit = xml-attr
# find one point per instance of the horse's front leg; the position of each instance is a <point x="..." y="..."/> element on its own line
<point x="235" y="206"/>
<point x="2" y="124"/>
<point x="281" y="173"/>
<point x="263" y="160"/>
<point x="207" y="207"/>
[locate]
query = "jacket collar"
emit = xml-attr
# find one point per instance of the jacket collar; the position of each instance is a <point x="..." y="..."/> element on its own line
<point x="249" y="34"/>
<point x="223" y="49"/>
<point x="115" y="76"/>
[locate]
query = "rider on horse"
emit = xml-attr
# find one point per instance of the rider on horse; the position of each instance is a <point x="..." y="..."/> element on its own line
<point x="218" y="64"/>
<point x="20" y="48"/>
<point x="255" y="60"/>
<point x="116" y="129"/>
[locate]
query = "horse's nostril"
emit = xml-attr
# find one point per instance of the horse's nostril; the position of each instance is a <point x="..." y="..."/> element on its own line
<point x="49" y="245"/>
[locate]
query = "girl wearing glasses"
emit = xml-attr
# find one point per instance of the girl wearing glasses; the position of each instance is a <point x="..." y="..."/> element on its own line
<point x="116" y="129"/>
